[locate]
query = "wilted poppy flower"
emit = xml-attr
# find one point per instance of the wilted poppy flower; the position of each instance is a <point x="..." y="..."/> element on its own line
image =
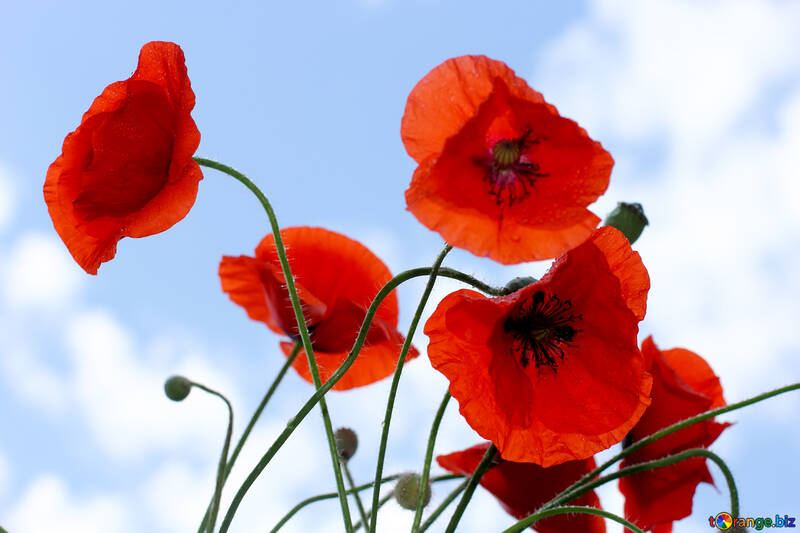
<point x="500" y="173"/>
<point x="683" y="386"/>
<point x="521" y="488"/>
<point x="337" y="278"/>
<point x="552" y="372"/>
<point x="127" y="171"/>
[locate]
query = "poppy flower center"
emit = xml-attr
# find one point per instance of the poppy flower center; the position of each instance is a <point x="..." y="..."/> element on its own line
<point x="540" y="328"/>
<point x="509" y="170"/>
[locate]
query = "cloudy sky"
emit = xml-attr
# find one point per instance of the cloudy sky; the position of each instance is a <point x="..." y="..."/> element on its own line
<point x="698" y="102"/>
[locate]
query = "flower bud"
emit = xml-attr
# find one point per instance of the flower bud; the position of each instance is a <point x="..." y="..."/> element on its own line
<point x="629" y="219"/>
<point x="177" y="388"/>
<point x="518" y="283"/>
<point x="346" y="442"/>
<point x="407" y="489"/>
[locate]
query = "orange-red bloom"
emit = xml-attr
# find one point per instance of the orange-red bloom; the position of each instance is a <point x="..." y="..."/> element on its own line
<point x="127" y="170"/>
<point x="500" y="173"/>
<point x="521" y="488"/>
<point x="551" y="373"/>
<point x="337" y="278"/>
<point x="683" y="386"/>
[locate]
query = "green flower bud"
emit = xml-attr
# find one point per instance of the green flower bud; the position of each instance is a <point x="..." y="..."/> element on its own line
<point x="346" y="442"/>
<point x="518" y="283"/>
<point x="177" y="388"/>
<point x="629" y="219"/>
<point x="407" y="489"/>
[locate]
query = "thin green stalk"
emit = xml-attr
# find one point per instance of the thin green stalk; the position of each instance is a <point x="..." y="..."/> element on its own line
<point x="301" y="325"/>
<point x="426" y="468"/>
<point x="474" y="479"/>
<point x="442" y="506"/>
<point x="566" y="497"/>
<point x="387" y="419"/>
<point x="331" y="495"/>
<point x="523" y="524"/>
<point x="335" y="377"/>
<point x="677" y="427"/>
<point x="252" y="423"/>
<point x="223" y="460"/>
<point x="381" y="503"/>
<point x="352" y="483"/>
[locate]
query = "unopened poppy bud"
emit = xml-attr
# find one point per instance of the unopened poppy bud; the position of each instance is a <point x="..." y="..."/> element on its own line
<point x="518" y="283"/>
<point x="407" y="490"/>
<point x="177" y="388"/>
<point x="346" y="442"/>
<point x="629" y="219"/>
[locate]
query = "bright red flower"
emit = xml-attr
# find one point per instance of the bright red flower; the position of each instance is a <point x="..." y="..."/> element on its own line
<point x="336" y="278"/>
<point x="501" y="173"/>
<point x="551" y="373"/>
<point x="683" y="386"/>
<point x="127" y="170"/>
<point x="521" y="488"/>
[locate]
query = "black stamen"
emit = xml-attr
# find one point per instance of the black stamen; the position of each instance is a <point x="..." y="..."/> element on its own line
<point x="541" y="327"/>
<point x="509" y="181"/>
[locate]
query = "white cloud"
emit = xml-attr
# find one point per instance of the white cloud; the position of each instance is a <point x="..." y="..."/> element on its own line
<point x="47" y="506"/>
<point x="39" y="273"/>
<point x="30" y="377"/>
<point x="6" y="198"/>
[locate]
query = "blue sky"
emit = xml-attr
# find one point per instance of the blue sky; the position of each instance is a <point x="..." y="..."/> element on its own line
<point x="699" y="103"/>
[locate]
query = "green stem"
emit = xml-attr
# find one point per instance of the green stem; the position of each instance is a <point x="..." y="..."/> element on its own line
<point x="567" y="496"/>
<point x="252" y="423"/>
<point x="523" y="524"/>
<point x="387" y="420"/>
<point x="474" y="479"/>
<point x="331" y="495"/>
<point x="335" y="377"/>
<point x="442" y="506"/>
<point x="426" y="468"/>
<point x="352" y="483"/>
<point x="301" y="326"/>
<point x="381" y="503"/>
<point x="223" y="460"/>
<point x="677" y="427"/>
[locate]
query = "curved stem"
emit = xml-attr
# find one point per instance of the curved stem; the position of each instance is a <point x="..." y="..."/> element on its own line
<point x="474" y="479"/>
<point x="352" y="483"/>
<point x="387" y="419"/>
<point x="442" y="506"/>
<point x="336" y="376"/>
<point x="301" y="325"/>
<point x="677" y="427"/>
<point x="426" y="468"/>
<point x="381" y="503"/>
<point x="569" y="495"/>
<point x="331" y="495"/>
<point x="238" y="448"/>
<point x="223" y="460"/>
<point x="523" y="524"/>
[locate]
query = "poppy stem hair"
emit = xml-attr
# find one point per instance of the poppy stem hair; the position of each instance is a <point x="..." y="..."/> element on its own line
<point x="396" y="381"/>
<point x="301" y="325"/>
<point x="519" y="526"/>
<point x="252" y="423"/>
<point x="426" y="468"/>
<point x="472" y="484"/>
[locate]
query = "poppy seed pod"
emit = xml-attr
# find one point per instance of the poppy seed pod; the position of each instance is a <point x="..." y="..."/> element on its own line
<point x="629" y="219"/>
<point x="346" y="442"/>
<point x="177" y="388"/>
<point x="406" y="491"/>
<point x="519" y="282"/>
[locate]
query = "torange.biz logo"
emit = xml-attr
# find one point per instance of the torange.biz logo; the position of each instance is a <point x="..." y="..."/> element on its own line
<point x="725" y="521"/>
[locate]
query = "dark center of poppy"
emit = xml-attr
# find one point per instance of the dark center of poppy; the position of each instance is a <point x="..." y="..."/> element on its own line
<point x="541" y="327"/>
<point x="509" y="170"/>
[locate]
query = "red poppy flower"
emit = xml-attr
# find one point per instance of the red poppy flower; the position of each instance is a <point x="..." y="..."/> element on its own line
<point x="501" y="173"/>
<point x="337" y="278"/>
<point x="552" y="372"/>
<point x="127" y="170"/>
<point x="683" y="386"/>
<point x="521" y="488"/>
